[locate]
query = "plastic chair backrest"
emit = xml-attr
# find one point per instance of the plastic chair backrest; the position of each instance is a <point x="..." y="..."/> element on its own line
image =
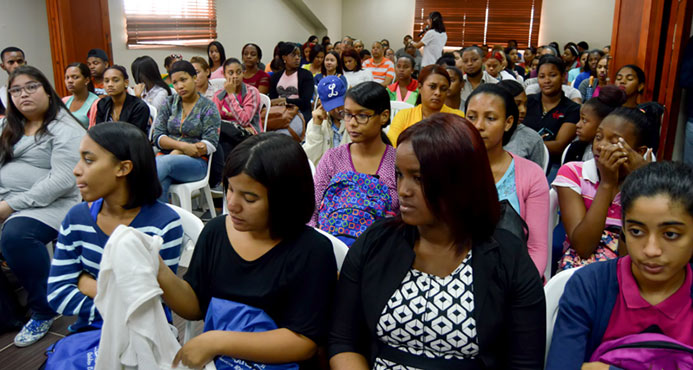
<point x="266" y="102"/>
<point x="152" y="116"/>
<point x="565" y="152"/>
<point x="192" y="227"/>
<point x="396" y="106"/>
<point x="547" y="157"/>
<point x="312" y="167"/>
<point x="315" y="98"/>
<point x="340" y="249"/>
<point x="553" y="290"/>
<point x="553" y="221"/>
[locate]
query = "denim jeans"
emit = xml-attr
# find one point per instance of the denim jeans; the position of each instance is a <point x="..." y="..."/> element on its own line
<point x="23" y="243"/>
<point x="176" y="169"/>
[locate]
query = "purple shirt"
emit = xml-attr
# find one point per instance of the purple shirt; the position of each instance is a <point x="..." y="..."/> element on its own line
<point x="632" y="314"/>
<point x="338" y="160"/>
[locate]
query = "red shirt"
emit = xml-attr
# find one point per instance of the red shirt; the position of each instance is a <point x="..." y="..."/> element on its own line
<point x="632" y="314"/>
<point x="261" y="78"/>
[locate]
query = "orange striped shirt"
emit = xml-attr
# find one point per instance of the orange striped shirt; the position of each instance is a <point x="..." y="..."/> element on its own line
<point x="380" y="71"/>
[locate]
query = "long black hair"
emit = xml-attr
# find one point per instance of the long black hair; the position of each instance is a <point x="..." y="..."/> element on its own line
<point x="339" y="69"/>
<point x="14" y="125"/>
<point x="374" y="96"/>
<point x="144" y="70"/>
<point x="128" y="143"/>
<point x="508" y="99"/>
<point x="222" y="53"/>
<point x="437" y="21"/>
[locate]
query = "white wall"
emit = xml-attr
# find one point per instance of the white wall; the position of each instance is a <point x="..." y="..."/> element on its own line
<point x="329" y="14"/>
<point x="369" y="20"/>
<point x="584" y="20"/>
<point x="264" y="22"/>
<point x="24" y="24"/>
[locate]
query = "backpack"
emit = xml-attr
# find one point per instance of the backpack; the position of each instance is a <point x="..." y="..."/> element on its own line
<point x="351" y="203"/>
<point x="77" y="351"/>
<point x="645" y="351"/>
<point x="228" y="315"/>
<point x="512" y="222"/>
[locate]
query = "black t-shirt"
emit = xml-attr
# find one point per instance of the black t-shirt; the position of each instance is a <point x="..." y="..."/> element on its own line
<point x="566" y="111"/>
<point x="293" y="283"/>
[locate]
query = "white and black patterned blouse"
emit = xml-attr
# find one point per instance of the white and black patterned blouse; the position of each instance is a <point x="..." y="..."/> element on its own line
<point x="431" y="316"/>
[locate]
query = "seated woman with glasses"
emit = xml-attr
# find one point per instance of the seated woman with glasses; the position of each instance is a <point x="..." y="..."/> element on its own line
<point x="369" y="158"/>
<point x="39" y="147"/>
<point x="434" y="82"/>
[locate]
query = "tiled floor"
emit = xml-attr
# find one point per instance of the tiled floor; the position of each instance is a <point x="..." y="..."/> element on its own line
<point x="32" y="357"/>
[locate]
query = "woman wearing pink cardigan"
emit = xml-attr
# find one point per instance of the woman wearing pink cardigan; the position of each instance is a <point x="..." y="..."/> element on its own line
<point x="521" y="182"/>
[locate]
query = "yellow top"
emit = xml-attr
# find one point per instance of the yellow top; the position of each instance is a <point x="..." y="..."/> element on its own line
<point x="408" y="117"/>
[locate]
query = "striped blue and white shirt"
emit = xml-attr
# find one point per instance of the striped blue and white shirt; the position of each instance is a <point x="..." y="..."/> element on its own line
<point x="80" y="247"/>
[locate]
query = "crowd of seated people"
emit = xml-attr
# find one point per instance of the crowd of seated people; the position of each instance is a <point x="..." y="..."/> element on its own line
<point x="444" y="206"/>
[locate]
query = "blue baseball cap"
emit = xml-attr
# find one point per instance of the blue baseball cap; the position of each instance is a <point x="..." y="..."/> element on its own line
<point x="331" y="90"/>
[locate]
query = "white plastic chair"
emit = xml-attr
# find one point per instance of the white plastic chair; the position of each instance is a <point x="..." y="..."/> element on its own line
<point x="553" y="221"/>
<point x="152" y="116"/>
<point x="547" y="157"/>
<point x="565" y="152"/>
<point x="315" y="98"/>
<point x="340" y="249"/>
<point x="192" y="227"/>
<point x="266" y="102"/>
<point x="312" y="167"/>
<point x="553" y="290"/>
<point x="396" y="106"/>
<point x="184" y="191"/>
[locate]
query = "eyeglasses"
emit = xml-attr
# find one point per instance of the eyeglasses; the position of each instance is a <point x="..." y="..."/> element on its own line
<point x="30" y="88"/>
<point x="176" y="56"/>
<point x="361" y="118"/>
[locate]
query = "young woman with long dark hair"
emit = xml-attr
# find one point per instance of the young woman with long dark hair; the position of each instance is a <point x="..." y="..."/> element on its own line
<point x="149" y="87"/>
<point x="433" y="40"/>
<point x="39" y="145"/>
<point x="217" y="56"/>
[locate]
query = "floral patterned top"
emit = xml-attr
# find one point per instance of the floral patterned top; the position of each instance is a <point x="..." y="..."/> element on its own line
<point x="201" y="124"/>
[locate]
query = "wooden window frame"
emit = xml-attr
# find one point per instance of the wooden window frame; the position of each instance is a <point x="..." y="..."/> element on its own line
<point x="479" y="22"/>
<point x="185" y="23"/>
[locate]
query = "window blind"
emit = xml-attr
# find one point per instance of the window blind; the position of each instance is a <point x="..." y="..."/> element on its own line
<point x="170" y="22"/>
<point x="478" y="22"/>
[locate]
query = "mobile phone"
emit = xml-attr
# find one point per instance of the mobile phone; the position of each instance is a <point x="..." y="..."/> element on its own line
<point x="546" y="134"/>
